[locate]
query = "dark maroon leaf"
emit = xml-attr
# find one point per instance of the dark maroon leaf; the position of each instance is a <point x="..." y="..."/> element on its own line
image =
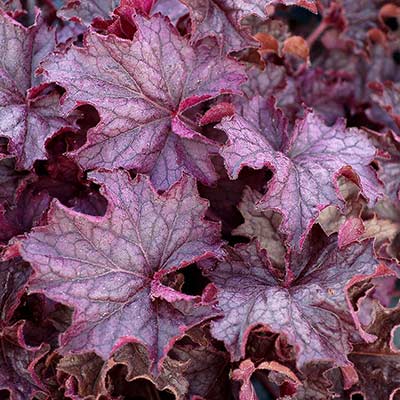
<point x="14" y="359"/>
<point x="44" y="319"/>
<point x="88" y="370"/>
<point x="15" y="377"/>
<point x="62" y="178"/>
<point x="9" y="179"/>
<point x="27" y="210"/>
<point x="14" y="275"/>
<point x="203" y="364"/>
<point x="138" y="365"/>
<point x="379" y="361"/>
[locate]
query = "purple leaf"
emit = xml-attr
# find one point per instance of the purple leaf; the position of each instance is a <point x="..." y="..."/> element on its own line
<point x="309" y="306"/>
<point x="305" y="165"/>
<point x="220" y="19"/>
<point x="173" y="9"/>
<point x="144" y="103"/>
<point x="109" y="268"/>
<point x="26" y="118"/>
<point x="14" y="275"/>
<point x="86" y="10"/>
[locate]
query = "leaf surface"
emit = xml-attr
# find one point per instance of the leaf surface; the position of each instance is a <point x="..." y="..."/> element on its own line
<point x="14" y="359"/>
<point x="309" y="306"/>
<point x="86" y="10"/>
<point x="141" y="90"/>
<point x="109" y="268"/>
<point x="27" y="119"/>
<point x="306" y="162"/>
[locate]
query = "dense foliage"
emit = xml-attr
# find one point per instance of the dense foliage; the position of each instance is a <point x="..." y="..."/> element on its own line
<point x="199" y="199"/>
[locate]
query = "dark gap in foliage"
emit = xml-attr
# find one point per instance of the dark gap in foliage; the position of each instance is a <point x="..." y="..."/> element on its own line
<point x="27" y="17"/>
<point x="301" y="21"/>
<point x="194" y="281"/>
<point x="63" y="179"/>
<point x="65" y="141"/>
<point x="40" y="167"/>
<point x="357" y="396"/>
<point x="358" y="291"/>
<point x="90" y="117"/>
<point x="79" y="40"/>
<point x="139" y="389"/>
<point x="132" y="173"/>
<point x="317" y="50"/>
<point x="374" y="165"/>
<point x="184" y="25"/>
<point x="188" y="280"/>
<point x="264" y="345"/>
<point x="396" y="56"/>
<point x="185" y="341"/>
<point x="262" y="392"/>
<point x="360" y="119"/>
<point x="235" y="239"/>
<point x="45" y="319"/>
<point x="4" y="145"/>
<point x="226" y="195"/>
<point x="260" y="344"/>
<point x="48" y="9"/>
<point x="4" y="395"/>
<point x="391" y="23"/>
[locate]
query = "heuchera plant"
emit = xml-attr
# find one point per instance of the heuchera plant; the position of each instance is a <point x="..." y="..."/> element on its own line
<point x="199" y="200"/>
